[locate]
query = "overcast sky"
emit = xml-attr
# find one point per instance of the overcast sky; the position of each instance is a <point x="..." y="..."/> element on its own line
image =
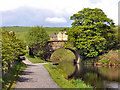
<point x="50" y="13"/>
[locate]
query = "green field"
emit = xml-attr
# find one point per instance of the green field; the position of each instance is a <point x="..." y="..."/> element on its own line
<point x="22" y="31"/>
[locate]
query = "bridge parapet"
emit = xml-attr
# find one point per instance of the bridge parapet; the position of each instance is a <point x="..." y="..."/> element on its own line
<point x="54" y="45"/>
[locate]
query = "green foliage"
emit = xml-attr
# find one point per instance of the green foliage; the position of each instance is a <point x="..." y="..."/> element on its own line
<point x="80" y="84"/>
<point x="36" y="40"/>
<point x="92" y="32"/>
<point x="42" y="52"/>
<point x="62" y="73"/>
<point x="104" y="61"/>
<point x="9" y="79"/>
<point x="36" y="36"/>
<point x="117" y="34"/>
<point x="12" y="48"/>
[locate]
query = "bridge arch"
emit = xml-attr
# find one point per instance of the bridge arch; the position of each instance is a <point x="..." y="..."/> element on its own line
<point x="77" y="56"/>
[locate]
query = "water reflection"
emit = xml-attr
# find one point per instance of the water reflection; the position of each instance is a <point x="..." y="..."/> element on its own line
<point x="99" y="77"/>
<point x="67" y="68"/>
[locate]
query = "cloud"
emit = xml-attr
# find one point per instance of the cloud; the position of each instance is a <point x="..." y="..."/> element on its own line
<point x="56" y="20"/>
<point x="26" y="16"/>
<point x="39" y="10"/>
<point x="95" y="1"/>
<point x="119" y="13"/>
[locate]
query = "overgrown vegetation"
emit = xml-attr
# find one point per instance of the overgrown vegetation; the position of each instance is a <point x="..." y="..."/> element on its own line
<point x="10" y="78"/>
<point x="12" y="49"/>
<point x="112" y="57"/>
<point x="61" y="81"/>
<point x="92" y="32"/>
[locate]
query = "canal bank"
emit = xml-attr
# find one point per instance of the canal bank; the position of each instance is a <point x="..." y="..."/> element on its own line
<point x="60" y="78"/>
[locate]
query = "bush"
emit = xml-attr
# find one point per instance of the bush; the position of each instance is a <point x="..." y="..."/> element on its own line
<point x="104" y="61"/>
<point x="12" y="49"/>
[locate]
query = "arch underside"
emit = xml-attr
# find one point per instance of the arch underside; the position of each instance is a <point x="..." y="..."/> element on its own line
<point x="77" y="56"/>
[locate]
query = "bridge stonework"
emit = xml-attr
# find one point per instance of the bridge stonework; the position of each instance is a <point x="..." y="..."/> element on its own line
<point x="55" y="45"/>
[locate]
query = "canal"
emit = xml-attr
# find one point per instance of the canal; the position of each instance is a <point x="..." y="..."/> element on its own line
<point x="96" y="76"/>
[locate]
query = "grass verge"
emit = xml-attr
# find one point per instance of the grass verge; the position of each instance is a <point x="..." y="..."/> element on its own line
<point x="10" y="78"/>
<point x="35" y="59"/>
<point x="61" y="81"/>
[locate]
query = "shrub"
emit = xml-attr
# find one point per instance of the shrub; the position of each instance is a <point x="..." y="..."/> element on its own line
<point x="12" y="49"/>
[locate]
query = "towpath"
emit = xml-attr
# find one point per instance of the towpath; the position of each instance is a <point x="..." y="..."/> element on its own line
<point x="35" y="76"/>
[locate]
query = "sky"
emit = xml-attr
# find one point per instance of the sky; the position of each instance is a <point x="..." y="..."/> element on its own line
<point x="50" y="13"/>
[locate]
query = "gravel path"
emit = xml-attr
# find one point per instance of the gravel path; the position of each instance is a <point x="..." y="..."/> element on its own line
<point x="35" y="76"/>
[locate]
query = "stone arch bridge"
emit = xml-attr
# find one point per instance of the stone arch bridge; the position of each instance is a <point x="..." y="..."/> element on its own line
<point x="55" y="45"/>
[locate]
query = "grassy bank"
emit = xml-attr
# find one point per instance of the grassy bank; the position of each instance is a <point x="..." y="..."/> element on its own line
<point x="110" y="58"/>
<point x="10" y="78"/>
<point x="61" y="81"/>
<point x="35" y="59"/>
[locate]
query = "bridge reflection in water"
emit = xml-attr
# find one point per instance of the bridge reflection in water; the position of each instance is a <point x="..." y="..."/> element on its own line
<point x="98" y="77"/>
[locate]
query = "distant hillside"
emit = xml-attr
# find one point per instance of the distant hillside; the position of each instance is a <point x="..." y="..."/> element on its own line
<point x="22" y="31"/>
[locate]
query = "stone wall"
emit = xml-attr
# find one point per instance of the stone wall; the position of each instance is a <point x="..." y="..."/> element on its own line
<point x="54" y="45"/>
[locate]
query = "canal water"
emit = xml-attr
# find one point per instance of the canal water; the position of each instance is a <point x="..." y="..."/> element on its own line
<point x="96" y="76"/>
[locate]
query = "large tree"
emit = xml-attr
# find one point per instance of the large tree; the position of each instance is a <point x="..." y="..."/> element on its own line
<point x="91" y="32"/>
<point x="37" y="39"/>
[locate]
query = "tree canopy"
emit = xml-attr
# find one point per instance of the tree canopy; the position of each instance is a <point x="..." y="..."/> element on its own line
<point x="92" y="32"/>
<point x="36" y="39"/>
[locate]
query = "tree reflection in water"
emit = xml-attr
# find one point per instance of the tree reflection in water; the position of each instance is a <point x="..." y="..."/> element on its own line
<point x="99" y="77"/>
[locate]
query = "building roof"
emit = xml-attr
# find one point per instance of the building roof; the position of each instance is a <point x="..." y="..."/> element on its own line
<point x="53" y="36"/>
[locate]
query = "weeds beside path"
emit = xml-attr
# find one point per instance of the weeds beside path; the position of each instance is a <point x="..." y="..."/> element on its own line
<point x="10" y="78"/>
